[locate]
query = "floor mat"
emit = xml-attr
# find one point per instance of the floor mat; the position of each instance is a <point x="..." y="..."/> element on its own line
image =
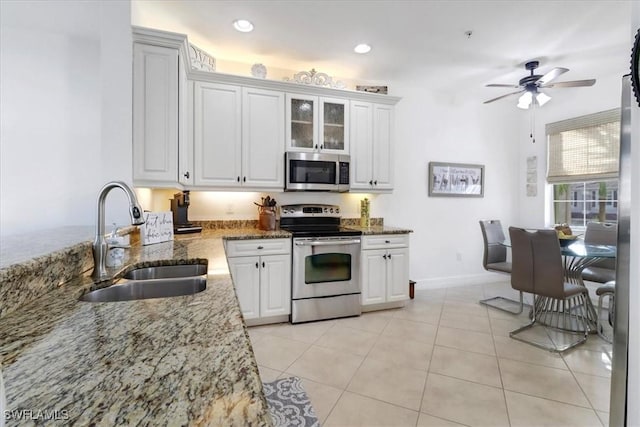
<point x="289" y="404"/>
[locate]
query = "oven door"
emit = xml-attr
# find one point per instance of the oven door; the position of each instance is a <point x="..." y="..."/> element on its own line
<point x="325" y="266"/>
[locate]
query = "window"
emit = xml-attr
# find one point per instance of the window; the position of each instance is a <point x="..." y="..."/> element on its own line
<point x="590" y="201"/>
<point x="583" y="155"/>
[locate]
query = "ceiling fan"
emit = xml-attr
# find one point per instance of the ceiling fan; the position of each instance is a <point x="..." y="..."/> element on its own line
<point x="530" y="86"/>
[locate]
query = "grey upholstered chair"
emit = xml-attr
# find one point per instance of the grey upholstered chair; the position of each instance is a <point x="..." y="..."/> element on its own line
<point x="607" y="290"/>
<point x="601" y="233"/>
<point x="538" y="269"/>
<point x="495" y="260"/>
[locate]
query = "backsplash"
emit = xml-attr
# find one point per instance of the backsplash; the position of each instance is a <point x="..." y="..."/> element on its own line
<point x="221" y="205"/>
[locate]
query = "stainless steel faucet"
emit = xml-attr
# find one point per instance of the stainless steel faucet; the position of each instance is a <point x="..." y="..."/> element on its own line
<point x="100" y="246"/>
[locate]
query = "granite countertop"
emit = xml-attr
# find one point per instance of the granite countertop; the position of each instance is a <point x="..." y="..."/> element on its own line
<point x="170" y="361"/>
<point x="380" y="229"/>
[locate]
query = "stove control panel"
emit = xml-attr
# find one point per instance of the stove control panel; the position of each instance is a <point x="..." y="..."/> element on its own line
<point x="309" y="210"/>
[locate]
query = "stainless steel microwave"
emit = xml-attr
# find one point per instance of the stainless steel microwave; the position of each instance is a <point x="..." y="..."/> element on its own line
<point x="316" y="172"/>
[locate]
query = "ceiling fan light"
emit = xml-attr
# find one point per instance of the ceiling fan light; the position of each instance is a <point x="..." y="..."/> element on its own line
<point x="525" y="100"/>
<point x="542" y="98"/>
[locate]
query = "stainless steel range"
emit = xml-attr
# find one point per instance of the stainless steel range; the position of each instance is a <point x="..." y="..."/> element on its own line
<point x="326" y="263"/>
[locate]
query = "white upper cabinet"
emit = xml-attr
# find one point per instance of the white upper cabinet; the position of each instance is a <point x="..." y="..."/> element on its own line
<point x="155" y="114"/>
<point x="238" y="137"/>
<point x="217" y="135"/>
<point x="371" y="146"/>
<point x="317" y="124"/>
<point x="262" y="138"/>
<point x="196" y="130"/>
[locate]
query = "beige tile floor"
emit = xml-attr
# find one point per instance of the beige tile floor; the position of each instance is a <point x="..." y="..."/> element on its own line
<point x="442" y="360"/>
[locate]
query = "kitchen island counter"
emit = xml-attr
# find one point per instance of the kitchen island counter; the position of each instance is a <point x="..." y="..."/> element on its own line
<point x="168" y="361"/>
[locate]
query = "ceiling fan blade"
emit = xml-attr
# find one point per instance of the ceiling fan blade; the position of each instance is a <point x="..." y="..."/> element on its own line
<point x="503" y="96"/>
<point x="551" y="75"/>
<point x="500" y="85"/>
<point x="574" y="83"/>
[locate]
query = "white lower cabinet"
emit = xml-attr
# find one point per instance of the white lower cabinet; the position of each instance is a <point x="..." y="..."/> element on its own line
<point x="262" y="282"/>
<point x="384" y="269"/>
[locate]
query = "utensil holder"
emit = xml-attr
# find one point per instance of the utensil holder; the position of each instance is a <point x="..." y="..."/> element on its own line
<point x="267" y="218"/>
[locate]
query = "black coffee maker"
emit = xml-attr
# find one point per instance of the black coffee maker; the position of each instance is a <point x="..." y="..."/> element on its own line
<point x="179" y="207"/>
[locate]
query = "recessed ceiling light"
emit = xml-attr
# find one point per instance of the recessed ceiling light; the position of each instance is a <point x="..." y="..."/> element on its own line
<point x="243" y="25"/>
<point x="362" y="48"/>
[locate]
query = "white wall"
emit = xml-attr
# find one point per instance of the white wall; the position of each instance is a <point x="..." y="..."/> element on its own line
<point x="446" y="246"/>
<point x="66" y="111"/>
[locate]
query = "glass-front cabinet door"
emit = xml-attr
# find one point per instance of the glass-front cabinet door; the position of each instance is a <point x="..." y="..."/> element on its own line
<point x="317" y="124"/>
<point x="302" y="122"/>
<point x="334" y="117"/>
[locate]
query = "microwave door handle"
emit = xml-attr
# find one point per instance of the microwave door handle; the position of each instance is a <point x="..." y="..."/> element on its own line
<point x="329" y="243"/>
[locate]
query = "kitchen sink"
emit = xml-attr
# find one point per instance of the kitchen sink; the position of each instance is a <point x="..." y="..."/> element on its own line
<point x="150" y="288"/>
<point x="153" y="282"/>
<point x="167" y="272"/>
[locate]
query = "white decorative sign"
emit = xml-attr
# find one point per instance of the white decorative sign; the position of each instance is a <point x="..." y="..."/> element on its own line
<point x="532" y="176"/>
<point x="157" y="227"/>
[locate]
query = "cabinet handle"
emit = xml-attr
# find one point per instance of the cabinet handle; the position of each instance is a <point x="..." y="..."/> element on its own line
<point x="384" y="256"/>
<point x="262" y="264"/>
<point x="244" y="179"/>
<point x="389" y="256"/>
<point x="321" y="147"/>
<point x="371" y="182"/>
<point x="260" y="247"/>
<point x="375" y="182"/>
<point x="186" y="174"/>
<point x="387" y="241"/>
<point x="238" y="179"/>
<point x="257" y="266"/>
<point x="315" y="146"/>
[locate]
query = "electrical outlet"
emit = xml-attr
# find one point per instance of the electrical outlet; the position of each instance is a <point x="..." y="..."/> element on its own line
<point x="230" y="209"/>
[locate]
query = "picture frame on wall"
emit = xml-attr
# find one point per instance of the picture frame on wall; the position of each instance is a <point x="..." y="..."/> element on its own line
<point x="456" y="180"/>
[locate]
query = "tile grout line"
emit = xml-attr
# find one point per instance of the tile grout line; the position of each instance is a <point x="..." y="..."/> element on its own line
<point x="504" y="392"/>
<point x="433" y="348"/>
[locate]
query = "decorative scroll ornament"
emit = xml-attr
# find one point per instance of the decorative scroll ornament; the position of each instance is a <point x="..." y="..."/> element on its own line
<point x="201" y="60"/>
<point x="314" y="78"/>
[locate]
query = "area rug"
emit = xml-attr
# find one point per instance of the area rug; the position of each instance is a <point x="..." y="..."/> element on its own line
<point x="289" y="404"/>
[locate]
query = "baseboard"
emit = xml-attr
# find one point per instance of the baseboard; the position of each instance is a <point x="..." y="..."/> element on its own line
<point x="383" y="306"/>
<point x="453" y="281"/>
<point x="267" y="320"/>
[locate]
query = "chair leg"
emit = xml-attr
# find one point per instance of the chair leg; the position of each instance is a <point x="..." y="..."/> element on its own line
<point x="546" y="309"/>
<point x="491" y="302"/>
<point x="599" y="326"/>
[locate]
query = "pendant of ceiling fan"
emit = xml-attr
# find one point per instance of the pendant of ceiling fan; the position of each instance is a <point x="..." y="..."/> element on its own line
<point x="532" y="84"/>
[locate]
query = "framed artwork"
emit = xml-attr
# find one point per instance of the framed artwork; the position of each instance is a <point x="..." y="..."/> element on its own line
<point x="456" y="180"/>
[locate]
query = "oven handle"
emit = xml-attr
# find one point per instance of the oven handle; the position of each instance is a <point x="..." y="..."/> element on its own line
<point x="329" y="242"/>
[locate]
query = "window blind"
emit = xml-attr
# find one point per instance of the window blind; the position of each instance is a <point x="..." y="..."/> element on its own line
<point x="585" y="148"/>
